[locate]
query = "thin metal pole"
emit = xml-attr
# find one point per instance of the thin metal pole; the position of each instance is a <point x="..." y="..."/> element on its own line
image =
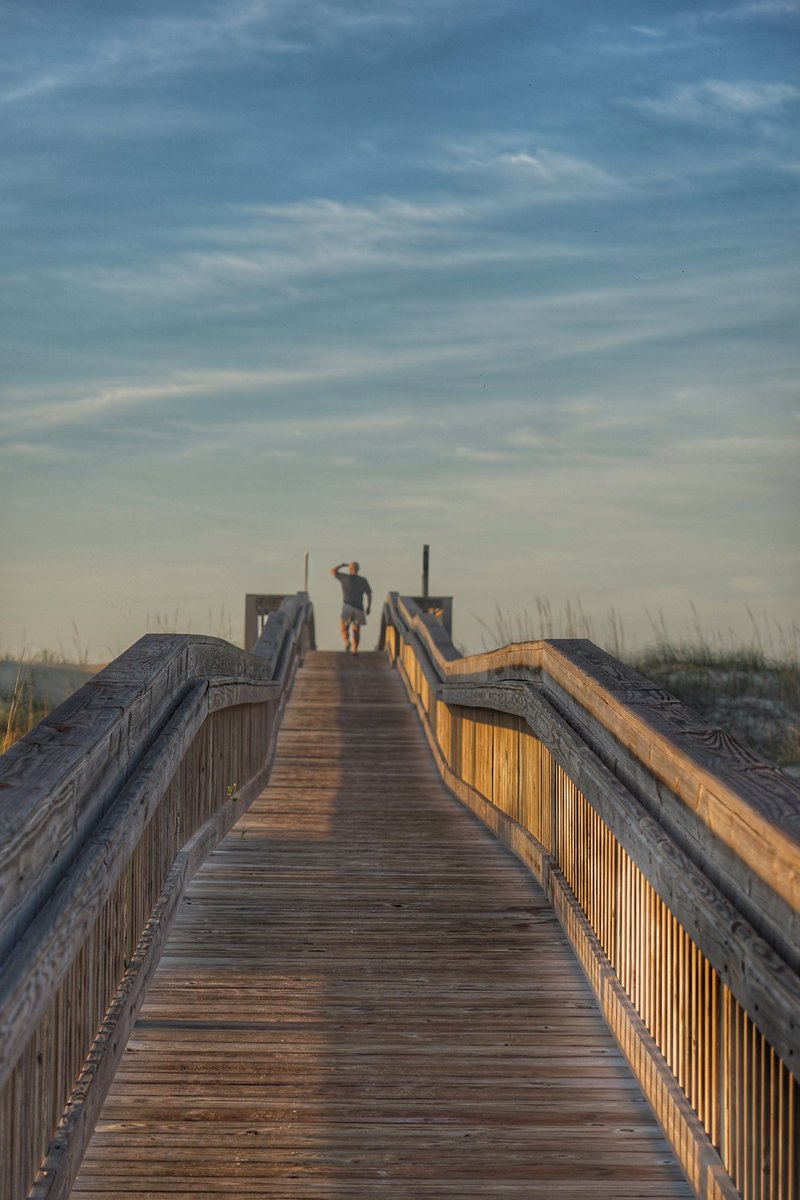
<point x="425" y="571"/>
<point x="305" y="577"/>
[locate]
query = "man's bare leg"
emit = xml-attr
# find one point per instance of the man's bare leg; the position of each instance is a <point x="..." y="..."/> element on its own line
<point x="345" y="628"/>
<point x="356" y="637"/>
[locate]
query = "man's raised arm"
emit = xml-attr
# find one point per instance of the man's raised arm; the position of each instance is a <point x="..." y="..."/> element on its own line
<point x="335" y="569"/>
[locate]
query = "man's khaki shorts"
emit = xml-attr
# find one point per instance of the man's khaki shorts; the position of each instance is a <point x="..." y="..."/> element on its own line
<point x="352" y="616"/>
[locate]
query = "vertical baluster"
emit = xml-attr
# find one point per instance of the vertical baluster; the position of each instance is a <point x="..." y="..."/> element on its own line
<point x="716" y="1068"/>
<point x="656" y="966"/>
<point x="622" y="868"/>
<point x="657" y="972"/>
<point x="529" y="750"/>
<point x="782" y="1171"/>
<point x="763" y="1139"/>
<point x="693" y="1027"/>
<point x="625" y="964"/>
<point x="792" y="1137"/>
<point x="673" y="995"/>
<point x="643" y="942"/>
<point x="608" y="890"/>
<point x="772" y="1137"/>
<point x="608" y="899"/>
<point x="635" y="937"/>
<point x="519" y="784"/>
<point x="726" y="1088"/>
<point x="669" y="989"/>
<point x="707" y="1036"/>
<point x="650" y="919"/>
<point x="742" y="1093"/>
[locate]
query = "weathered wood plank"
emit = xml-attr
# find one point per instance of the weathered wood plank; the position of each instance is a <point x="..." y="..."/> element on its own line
<point x="738" y="816"/>
<point x="364" y="995"/>
<point x="95" y="805"/>
<point x="56" y="782"/>
<point x="651" y="848"/>
<point x="39" y="962"/>
<point x="761" y="981"/>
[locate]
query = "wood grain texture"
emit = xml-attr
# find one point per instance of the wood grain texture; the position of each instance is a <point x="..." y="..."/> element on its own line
<point x="762" y="982"/>
<point x="57" y="781"/>
<point x="736" y="815"/>
<point x="648" y="889"/>
<point x="364" y="995"/>
<point x="75" y="1127"/>
<point x="95" y="805"/>
<point x="699" y="1158"/>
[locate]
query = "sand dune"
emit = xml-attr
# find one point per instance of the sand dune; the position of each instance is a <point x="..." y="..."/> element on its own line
<point x="47" y="683"/>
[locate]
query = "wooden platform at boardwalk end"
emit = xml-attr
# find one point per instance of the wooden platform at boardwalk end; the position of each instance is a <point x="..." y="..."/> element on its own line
<point x="366" y="996"/>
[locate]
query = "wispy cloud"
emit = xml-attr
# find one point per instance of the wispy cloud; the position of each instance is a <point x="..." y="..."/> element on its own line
<point x="471" y="454"/>
<point x="298" y="260"/>
<point x="647" y="31"/>
<point x="683" y="32"/>
<point x="721" y="102"/>
<point x="113" y="398"/>
<point x="38" y="452"/>
<point x="133" y="47"/>
<point x="469" y="341"/>
<point x="517" y="162"/>
<point x="749" y="10"/>
<point x="283" y="249"/>
<point x="25" y="411"/>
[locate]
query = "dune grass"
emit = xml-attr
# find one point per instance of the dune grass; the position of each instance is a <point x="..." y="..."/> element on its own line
<point x="751" y="688"/>
<point x="20" y="707"/>
<point x="20" y="711"/>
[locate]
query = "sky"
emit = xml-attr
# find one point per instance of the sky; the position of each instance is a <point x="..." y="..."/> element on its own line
<point x="517" y="280"/>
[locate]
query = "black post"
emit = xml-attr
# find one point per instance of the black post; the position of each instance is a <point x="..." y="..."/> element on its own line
<point x="425" y="571"/>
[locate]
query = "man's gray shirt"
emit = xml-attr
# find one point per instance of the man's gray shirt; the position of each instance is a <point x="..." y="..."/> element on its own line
<point x="354" y="588"/>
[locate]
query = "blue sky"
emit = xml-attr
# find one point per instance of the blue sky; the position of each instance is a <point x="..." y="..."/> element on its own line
<point x="517" y="280"/>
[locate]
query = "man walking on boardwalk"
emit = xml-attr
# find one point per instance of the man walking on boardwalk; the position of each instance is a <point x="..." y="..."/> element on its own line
<point x="354" y="612"/>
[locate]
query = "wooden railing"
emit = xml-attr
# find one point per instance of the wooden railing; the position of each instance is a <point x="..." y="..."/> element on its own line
<point x="672" y="857"/>
<point x="106" y="810"/>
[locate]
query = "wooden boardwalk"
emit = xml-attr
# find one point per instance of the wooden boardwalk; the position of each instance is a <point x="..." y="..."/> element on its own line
<point x="366" y="996"/>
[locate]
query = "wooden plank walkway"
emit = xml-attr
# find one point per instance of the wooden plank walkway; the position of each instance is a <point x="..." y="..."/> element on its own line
<point x="366" y="996"/>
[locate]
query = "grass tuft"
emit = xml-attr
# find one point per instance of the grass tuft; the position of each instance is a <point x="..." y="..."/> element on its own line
<point x="751" y="689"/>
<point x="21" y="705"/>
<point x="21" y="711"/>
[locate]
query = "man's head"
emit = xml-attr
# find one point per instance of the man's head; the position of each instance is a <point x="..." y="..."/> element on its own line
<point x="353" y="568"/>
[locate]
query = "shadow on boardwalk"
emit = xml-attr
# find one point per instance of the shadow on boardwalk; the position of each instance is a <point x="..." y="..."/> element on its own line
<point x="366" y="996"/>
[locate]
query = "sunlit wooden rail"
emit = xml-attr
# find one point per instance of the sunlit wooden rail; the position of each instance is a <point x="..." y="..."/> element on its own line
<point x="365" y="994"/>
<point x="672" y="856"/>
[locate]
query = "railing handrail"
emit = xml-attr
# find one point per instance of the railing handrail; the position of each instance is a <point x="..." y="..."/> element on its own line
<point x="77" y="792"/>
<point x="672" y="856"/>
<point x="133" y="698"/>
<point x="749" y="810"/>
